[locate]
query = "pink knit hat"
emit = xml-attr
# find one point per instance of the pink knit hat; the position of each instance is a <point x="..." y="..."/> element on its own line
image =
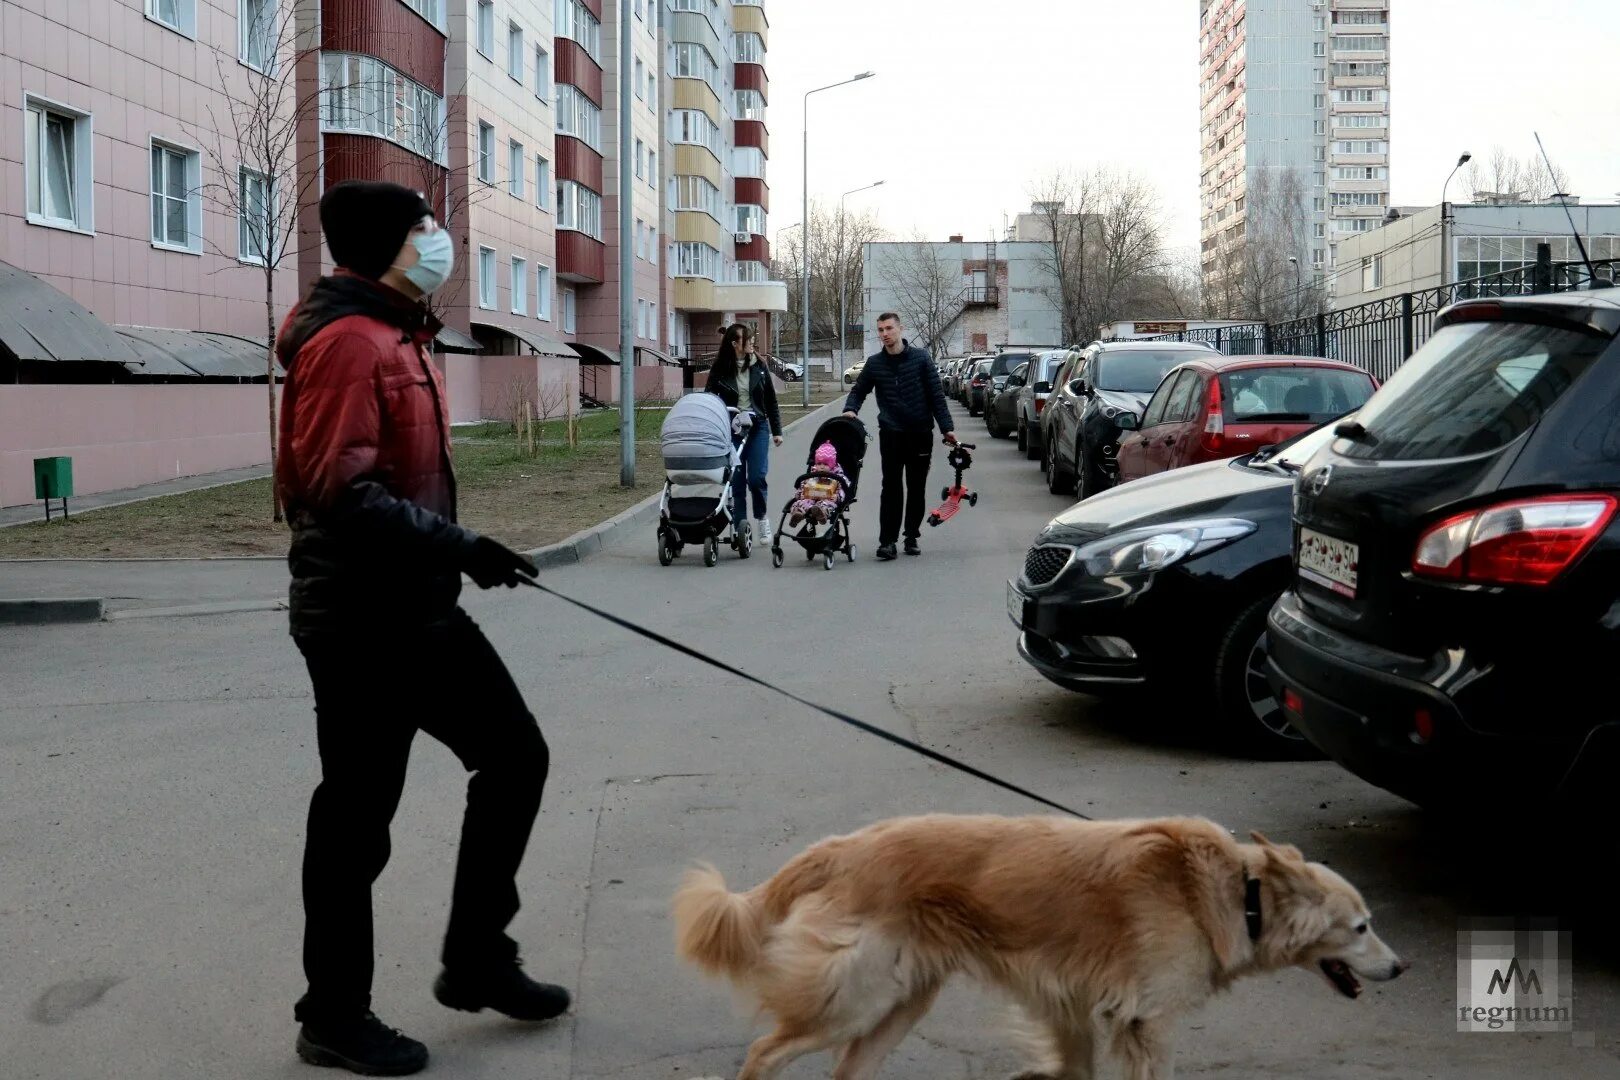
<point x="826" y="456"/>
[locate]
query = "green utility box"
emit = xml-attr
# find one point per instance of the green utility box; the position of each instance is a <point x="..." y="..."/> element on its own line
<point x="53" y="478"/>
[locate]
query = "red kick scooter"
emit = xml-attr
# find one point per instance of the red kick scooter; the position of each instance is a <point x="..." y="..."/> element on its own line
<point x="956" y="494"/>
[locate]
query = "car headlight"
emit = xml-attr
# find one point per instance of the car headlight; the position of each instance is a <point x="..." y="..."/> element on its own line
<point x="1158" y="546"/>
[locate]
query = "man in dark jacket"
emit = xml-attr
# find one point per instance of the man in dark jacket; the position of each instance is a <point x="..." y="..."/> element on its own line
<point x="910" y="402"/>
<point x="376" y="560"/>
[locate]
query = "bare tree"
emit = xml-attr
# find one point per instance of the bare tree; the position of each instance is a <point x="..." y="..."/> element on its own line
<point x="1263" y="273"/>
<point x="837" y="243"/>
<point x="451" y="194"/>
<point x="929" y="290"/>
<point x="1064" y="205"/>
<point x="1513" y="179"/>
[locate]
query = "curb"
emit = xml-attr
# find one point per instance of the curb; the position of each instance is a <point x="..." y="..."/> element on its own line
<point x="582" y="545"/>
<point x="223" y="607"/>
<point x="46" y="612"/>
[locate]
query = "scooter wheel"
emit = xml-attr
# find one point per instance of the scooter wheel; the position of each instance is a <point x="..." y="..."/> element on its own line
<point x="973" y="499"/>
<point x="776" y="558"/>
<point x="944" y="493"/>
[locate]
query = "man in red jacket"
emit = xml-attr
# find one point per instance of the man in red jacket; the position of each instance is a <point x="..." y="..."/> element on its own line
<point x="376" y="560"/>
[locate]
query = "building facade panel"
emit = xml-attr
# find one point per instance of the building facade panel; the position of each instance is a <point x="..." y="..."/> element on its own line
<point x="390" y="31"/>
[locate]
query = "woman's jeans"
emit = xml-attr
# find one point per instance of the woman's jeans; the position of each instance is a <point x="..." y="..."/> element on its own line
<point x="756" y="458"/>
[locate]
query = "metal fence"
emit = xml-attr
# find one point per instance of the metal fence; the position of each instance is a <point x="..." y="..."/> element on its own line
<point x="1380" y="336"/>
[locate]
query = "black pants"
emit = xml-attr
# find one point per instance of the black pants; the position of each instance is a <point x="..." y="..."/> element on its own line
<point x="372" y="694"/>
<point x="906" y="457"/>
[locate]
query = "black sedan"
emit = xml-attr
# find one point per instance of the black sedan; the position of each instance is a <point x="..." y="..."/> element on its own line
<point x="1164" y="584"/>
<point x="1452" y="630"/>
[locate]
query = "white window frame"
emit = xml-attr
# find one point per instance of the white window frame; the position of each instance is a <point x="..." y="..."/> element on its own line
<point x="484" y="30"/>
<point x="486" y="154"/>
<point x="570" y="311"/>
<point x="82" y="173"/>
<point x="517" y="165"/>
<point x="641" y="160"/>
<point x="192" y="159"/>
<point x="245" y="32"/>
<point x="514" y="50"/>
<point x="652" y="244"/>
<point x="185" y="23"/>
<point x="542" y="72"/>
<point x="362" y="94"/>
<point x="641" y="239"/>
<point x="520" y="285"/>
<point x="243" y="255"/>
<point x="488" y="292"/>
<point x="652" y="169"/>
<point x="431" y="10"/>
<point x="578" y="116"/>
<point x="543" y="286"/>
<point x="640" y="79"/>
<point x="542" y="183"/>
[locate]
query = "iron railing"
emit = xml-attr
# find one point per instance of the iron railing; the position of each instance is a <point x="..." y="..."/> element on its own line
<point x="1379" y="337"/>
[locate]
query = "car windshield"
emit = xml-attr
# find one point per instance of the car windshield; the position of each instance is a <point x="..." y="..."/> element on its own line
<point x="1473" y="388"/>
<point x="1294" y="394"/>
<point x="1135" y="372"/>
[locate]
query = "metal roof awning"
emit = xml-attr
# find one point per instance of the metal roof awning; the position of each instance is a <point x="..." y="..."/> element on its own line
<point x="538" y="340"/>
<point x="591" y="354"/>
<point x="659" y="357"/>
<point x="40" y="323"/>
<point x="449" y="339"/>
<point x="164" y="350"/>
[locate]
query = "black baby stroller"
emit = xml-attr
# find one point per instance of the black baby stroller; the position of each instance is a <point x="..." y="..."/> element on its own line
<point x="848" y="436"/>
<point x="700" y="458"/>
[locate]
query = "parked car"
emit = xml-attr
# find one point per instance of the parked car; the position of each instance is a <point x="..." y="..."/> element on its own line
<point x="1080" y="429"/>
<point x="964" y="372"/>
<point x="978" y="381"/>
<point x="1452" y="627"/>
<point x="1032" y="398"/>
<point x="1001" y="413"/>
<point x="1164" y="584"/>
<point x="853" y="372"/>
<point x="1221" y="406"/>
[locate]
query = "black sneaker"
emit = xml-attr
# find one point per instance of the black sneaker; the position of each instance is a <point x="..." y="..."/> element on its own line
<point x="885" y="551"/>
<point x="505" y="989"/>
<point x="365" y="1045"/>
<point x="912" y="548"/>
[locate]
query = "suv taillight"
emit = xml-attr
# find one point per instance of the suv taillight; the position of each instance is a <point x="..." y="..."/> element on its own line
<point x="1524" y="542"/>
<point x="1214" y="419"/>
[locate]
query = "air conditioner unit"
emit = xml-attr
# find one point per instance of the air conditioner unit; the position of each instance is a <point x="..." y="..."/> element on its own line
<point x="742" y="237"/>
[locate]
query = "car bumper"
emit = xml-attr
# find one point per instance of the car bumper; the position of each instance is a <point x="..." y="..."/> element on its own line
<point x="1419" y="727"/>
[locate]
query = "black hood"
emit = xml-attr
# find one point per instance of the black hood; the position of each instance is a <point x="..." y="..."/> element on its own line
<point x="336" y="297"/>
<point x="1210" y="489"/>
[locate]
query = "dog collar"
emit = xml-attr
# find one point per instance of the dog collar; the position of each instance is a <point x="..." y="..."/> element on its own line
<point x="1251" y="905"/>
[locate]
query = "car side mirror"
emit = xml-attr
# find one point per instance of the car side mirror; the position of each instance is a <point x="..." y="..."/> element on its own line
<point x="1127" y="421"/>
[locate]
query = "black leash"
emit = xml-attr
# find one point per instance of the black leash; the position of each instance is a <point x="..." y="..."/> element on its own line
<point x="686" y="650"/>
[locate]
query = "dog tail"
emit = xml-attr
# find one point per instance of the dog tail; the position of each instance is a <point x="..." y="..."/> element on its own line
<point x="718" y="930"/>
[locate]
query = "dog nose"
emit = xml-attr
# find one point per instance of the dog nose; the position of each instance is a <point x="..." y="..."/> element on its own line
<point x="1399" y="967"/>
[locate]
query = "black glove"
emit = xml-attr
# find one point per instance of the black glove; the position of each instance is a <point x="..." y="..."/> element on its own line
<point x="491" y="564"/>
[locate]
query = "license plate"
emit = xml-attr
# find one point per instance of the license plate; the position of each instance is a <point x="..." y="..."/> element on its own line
<point x="1329" y="562"/>
<point x="1016" y="605"/>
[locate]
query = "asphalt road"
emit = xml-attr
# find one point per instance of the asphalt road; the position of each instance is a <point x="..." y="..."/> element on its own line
<point x="154" y="776"/>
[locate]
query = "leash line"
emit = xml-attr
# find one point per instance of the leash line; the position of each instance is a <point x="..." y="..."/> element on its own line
<point x="862" y="725"/>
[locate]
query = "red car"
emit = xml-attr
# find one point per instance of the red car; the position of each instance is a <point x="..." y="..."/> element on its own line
<point x="1223" y="406"/>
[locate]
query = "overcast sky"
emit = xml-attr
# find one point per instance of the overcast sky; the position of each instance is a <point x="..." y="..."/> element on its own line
<point x="971" y="102"/>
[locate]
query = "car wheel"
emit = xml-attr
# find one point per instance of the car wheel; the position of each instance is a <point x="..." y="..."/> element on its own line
<point x="1057" y="481"/>
<point x="1250" y="713"/>
<point x="1088" y="481"/>
<point x="1023" y="437"/>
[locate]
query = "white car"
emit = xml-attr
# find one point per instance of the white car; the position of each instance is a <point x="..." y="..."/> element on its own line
<point x="853" y="372"/>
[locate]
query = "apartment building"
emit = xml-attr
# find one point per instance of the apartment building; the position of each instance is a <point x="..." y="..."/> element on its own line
<point x="1295" y="127"/>
<point x="718" y="199"/>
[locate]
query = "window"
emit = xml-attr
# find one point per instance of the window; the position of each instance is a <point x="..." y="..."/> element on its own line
<point x="486" y="277"/>
<point x="176" y="202"/>
<point x="576" y="23"/>
<point x="1320" y="204"/>
<point x="697" y="260"/>
<point x="1321" y="75"/>
<point x="57" y="167"/>
<point x="255" y="222"/>
<point x="568" y="311"/>
<point x="641" y="239"/>
<point x="1362" y="146"/>
<point x="259" y="33"/>
<point x="1321" y="48"/>
<point x="750" y="219"/>
<point x="542" y="181"/>
<point x="694" y="126"/>
<point x="652" y="92"/>
<point x="1254" y="394"/>
<point x="1372" y="273"/>
<point x="578" y="116"/>
<point x="579" y="208"/>
<point x="486" y="28"/>
<point x="361" y="93"/>
<point x="1360" y="69"/>
<point x="1360" y="97"/>
<point x="641" y="79"/>
<point x="1319" y="102"/>
<point x="542" y="73"/>
<point x="179" y="15"/>
<point x="693" y="61"/>
<point x="696" y="193"/>
<point x="1357" y="44"/>
<point x="1361" y="172"/>
<point x="542" y="290"/>
<point x="514" y="51"/>
<point x="1321" y="153"/>
<point x="514" y="168"/>
<point x="750" y="270"/>
<point x="1321" y="127"/>
<point x="431" y="10"/>
<point x="750" y="105"/>
<point x="652" y="245"/>
<point x="641" y="160"/>
<point x="1321" y="230"/>
<point x="1360" y="198"/>
<point x="486" y="152"/>
<point x="748" y="161"/>
<point x="520" y="286"/>
<point x="1321" y="22"/>
<point x="641" y="317"/>
<point x="749" y="48"/>
<point x="652" y="170"/>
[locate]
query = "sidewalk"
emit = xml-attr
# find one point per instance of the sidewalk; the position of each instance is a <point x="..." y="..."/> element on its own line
<point x="35" y="511"/>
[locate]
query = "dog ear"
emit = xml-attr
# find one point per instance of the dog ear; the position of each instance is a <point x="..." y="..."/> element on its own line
<point x="1287" y="873"/>
<point x="1288" y="851"/>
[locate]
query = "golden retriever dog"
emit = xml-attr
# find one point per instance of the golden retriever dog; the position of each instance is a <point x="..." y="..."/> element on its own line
<point x="1104" y="933"/>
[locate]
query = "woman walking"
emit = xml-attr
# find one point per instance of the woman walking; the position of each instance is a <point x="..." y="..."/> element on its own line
<point x="740" y="379"/>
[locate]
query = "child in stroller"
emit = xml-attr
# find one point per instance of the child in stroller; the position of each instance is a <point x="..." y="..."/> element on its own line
<point x="816" y="517"/>
<point x="823" y="490"/>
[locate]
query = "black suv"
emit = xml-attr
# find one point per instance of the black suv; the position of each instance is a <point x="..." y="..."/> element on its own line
<point x="1456" y="603"/>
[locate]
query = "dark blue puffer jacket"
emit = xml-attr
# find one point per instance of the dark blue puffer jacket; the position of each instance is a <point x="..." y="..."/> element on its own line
<point x="909" y="395"/>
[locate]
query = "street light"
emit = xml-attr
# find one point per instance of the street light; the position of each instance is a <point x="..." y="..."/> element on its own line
<point x="841" y="323"/>
<point x="804" y="333"/>
<point x="1445" y="247"/>
<point x="1299" y="285"/>
<point x="776" y="324"/>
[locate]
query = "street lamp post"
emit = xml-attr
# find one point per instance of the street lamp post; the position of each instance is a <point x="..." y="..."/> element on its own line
<point x="841" y="323"/>
<point x="776" y="324"/>
<point x="804" y="335"/>
<point x="1299" y="285"/>
<point x="1445" y="215"/>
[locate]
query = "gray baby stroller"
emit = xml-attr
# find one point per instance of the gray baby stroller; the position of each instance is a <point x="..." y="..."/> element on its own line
<point x="700" y="458"/>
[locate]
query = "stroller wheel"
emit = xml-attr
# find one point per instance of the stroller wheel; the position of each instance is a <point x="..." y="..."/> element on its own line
<point x="827" y="560"/>
<point x="776" y="558"/>
<point x="809" y="556"/>
<point x="745" y="543"/>
<point x="849" y="552"/>
<point x="711" y="551"/>
<point x="666" y="550"/>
